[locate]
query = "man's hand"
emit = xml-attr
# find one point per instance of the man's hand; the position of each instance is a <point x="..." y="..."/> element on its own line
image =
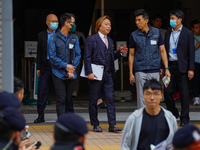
<point x="71" y="75"/>
<point x="38" y="73"/>
<point x="91" y="76"/>
<point x="24" y="145"/>
<point x="161" y="72"/>
<point x="131" y="78"/>
<point x="190" y="74"/>
<point x="123" y="49"/>
<point x="167" y="73"/>
<point x="70" y="68"/>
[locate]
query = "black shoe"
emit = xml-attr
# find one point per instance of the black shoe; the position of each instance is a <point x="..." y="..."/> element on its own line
<point x="114" y="129"/>
<point x="102" y="105"/>
<point x="183" y="123"/>
<point x="97" y="129"/>
<point x="39" y="120"/>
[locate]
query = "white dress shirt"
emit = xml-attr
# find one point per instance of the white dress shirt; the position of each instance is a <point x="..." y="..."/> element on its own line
<point x="173" y="42"/>
<point x="102" y="37"/>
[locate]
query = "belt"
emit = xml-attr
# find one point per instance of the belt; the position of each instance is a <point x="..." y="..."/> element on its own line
<point x="173" y="62"/>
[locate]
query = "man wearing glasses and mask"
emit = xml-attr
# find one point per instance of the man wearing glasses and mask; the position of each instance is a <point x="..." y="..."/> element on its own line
<point x="65" y="55"/>
<point x="151" y="124"/>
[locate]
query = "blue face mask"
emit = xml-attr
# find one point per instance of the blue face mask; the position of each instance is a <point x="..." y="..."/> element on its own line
<point x="53" y="25"/>
<point x="172" y="23"/>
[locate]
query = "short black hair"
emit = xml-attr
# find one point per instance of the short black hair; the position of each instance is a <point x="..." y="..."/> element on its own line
<point x="177" y="13"/>
<point x="195" y="21"/>
<point x="18" y="85"/>
<point x="62" y="136"/>
<point x="66" y="17"/>
<point x="141" y="12"/>
<point x="153" y="84"/>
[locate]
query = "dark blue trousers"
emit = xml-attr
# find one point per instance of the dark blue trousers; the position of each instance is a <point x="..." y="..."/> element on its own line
<point x="43" y="89"/>
<point x="106" y="84"/>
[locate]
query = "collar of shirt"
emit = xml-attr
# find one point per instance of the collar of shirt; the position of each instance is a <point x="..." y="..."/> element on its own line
<point x="179" y="30"/>
<point x="64" y="37"/>
<point x="50" y="34"/>
<point x="102" y="36"/>
<point x="143" y="32"/>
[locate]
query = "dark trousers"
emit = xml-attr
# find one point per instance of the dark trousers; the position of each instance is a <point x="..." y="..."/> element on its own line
<point x="63" y="89"/>
<point x="182" y="82"/>
<point x="106" y="84"/>
<point x="196" y="81"/>
<point x="43" y="89"/>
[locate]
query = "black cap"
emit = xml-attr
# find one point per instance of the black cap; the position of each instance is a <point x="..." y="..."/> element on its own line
<point x="8" y="100"/>
<point x="70" y="122"/>
<point x="14" y="117"/>
<point x="186" y="136"/>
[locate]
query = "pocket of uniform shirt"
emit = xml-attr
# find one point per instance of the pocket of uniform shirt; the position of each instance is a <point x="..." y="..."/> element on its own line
<point x="153" y="42"/>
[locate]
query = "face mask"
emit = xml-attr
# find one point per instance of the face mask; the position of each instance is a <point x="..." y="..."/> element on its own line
<point x="172" y="23"/>
<point x="53" y="25"/>
<point x="73" y="28"/>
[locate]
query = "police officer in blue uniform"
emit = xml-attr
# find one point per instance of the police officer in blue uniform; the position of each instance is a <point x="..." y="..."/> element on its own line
<point x="70" y="132"/>
<point x="12" y="123"/>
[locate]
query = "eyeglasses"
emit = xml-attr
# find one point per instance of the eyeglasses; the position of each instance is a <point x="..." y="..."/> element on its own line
<point x="73" y="22"/>
<point x="149" y="95"/>
<point x="53" y="21"/>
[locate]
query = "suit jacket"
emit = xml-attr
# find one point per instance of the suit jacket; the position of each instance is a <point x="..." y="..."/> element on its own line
<point x="185" y="49"/>
<point x="42" y="51"/>
<point x="94" y="52"/>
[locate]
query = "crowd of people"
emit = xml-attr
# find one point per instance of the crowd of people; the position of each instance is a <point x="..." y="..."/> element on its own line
<point x="153" y="53"/>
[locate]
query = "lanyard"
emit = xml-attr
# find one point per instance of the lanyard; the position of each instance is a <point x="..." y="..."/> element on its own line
<point x="175" y="42"/>
<point x="196" y="39"/>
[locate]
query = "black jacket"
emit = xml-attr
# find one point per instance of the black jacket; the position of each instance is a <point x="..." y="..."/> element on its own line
<point x="185" y="49"/>
<point x="42" y="51"/>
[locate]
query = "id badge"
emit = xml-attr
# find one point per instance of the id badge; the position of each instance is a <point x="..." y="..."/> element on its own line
<point x="153" y="42"/>
<point x="71" y="46"/>
<point x="174" y="50"/>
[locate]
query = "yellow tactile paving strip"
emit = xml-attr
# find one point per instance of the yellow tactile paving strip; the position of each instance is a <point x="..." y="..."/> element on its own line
<point x="95" y="141"/>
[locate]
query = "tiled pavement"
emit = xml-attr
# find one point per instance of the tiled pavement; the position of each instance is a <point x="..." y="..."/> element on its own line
<point x="94" y="141"/>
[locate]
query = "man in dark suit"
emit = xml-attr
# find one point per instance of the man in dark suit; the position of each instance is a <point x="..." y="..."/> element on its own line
<point x="179" y="45"/>
<point x="44" y="71"/>
<point x="99" y="50"/>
